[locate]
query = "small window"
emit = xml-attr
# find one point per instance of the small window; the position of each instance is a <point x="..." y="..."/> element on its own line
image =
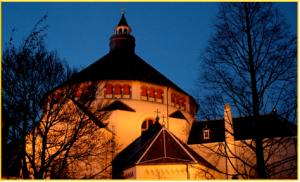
<point x="120" y="30"/>
<point x="125" y="30"/>
<point x="206" y="134"/>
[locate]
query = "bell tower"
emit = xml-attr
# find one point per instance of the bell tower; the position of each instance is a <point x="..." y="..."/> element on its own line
<point x="122" y="40"/>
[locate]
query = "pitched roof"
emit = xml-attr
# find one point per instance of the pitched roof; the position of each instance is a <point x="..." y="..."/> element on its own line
<point x="163" y="148"/>
<point x="272" y="126"/>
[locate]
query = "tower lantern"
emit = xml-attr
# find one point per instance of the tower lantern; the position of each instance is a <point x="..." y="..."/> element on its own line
<point x="122" y="38"/>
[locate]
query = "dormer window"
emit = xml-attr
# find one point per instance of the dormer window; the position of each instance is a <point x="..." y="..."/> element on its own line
<point x="206" y="134"/>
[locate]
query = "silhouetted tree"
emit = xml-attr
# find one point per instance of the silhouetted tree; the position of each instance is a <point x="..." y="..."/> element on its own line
<point x="58" y="122"/>
<point x="250" y="62"/>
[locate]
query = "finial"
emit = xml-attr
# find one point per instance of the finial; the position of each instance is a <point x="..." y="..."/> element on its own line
<point x="123" y="10"/>
<point x="164" y="123"/>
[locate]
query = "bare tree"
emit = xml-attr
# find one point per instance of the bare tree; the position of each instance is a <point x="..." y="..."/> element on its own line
<point x="59" y="122"/>
<point x="250" y="62"/>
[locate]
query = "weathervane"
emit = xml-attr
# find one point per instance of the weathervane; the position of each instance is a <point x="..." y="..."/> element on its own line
<point x="123" y="10"/>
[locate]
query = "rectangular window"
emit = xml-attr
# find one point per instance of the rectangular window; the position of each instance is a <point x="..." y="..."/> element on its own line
<point x="206" y="134"/>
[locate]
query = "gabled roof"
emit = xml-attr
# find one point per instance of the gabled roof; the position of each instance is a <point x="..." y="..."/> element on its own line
<point x="118" y="105"/>
<point x="163" y="148"/>
<point x="272" y="125"/>
<point x="178" y="114"/>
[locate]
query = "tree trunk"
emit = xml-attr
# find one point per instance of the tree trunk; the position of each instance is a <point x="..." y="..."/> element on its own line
<point x="255" y="101"/>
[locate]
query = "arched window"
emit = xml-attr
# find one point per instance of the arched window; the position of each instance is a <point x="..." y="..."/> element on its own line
<point x="117" y="89"/>
<point x="126" y="88"/>
<point x="178" y="100"/>
<point x="182" y="101"/>
<point x="151" y="92"/>
<point x="144" y="90"/>
<point x="147" y="123"/>
<point x="108" y="89"/>
<point x="120" y="30"/>
<point x="125" y="30"/>
<point x="173" y="97"/>
<point x="159" y="93"/>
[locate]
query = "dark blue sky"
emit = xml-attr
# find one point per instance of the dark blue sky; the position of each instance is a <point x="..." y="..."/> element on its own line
<point x="169" y="36"/>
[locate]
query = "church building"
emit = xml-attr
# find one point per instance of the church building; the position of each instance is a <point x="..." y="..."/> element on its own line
<point x="154" y="123"/>
<point x="138" y="91"/>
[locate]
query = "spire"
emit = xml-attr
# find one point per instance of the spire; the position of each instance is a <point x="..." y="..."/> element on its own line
<point x="123" y="21"/>
<point x="122" y="38"/>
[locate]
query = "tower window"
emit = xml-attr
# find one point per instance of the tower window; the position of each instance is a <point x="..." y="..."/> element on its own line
<point x="120" y="30"/>
<point x="147" y="123"/>
<point x="125" y="30"/>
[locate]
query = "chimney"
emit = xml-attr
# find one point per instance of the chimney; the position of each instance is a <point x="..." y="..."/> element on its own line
<point x="229" y="139"/>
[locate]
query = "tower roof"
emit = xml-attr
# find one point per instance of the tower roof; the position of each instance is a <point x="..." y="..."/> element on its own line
<point x="123" y="21"/>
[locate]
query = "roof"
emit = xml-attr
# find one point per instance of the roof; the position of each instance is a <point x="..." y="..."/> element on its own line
<point x="123" y="21"/>
<point x="178" y="114"/>
<point x="162" y="148"/>
<point x="118" y="105"/>
<point x="272" y="125"/>
<point x="122" y="65"/>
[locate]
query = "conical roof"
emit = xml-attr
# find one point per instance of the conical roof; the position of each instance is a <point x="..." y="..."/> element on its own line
<point x="123" y="21"/>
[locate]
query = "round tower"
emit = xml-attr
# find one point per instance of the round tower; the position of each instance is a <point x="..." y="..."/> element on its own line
<point x="122" y="40"/>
